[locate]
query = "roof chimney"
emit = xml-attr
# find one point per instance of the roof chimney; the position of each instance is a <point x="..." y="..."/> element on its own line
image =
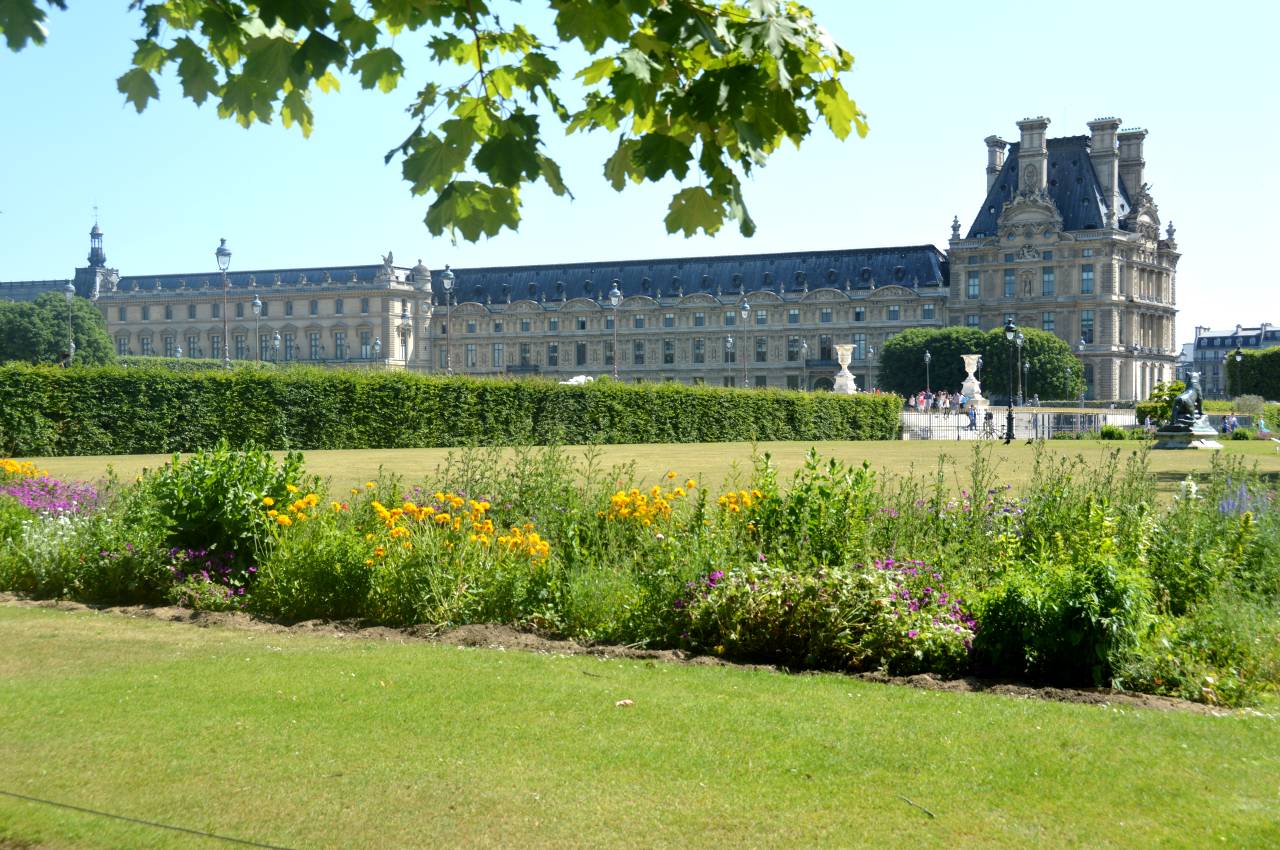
<point x="995" y="158"/>
<point x="1033" y="156"/>
<point x="1131" y="161"/>
<point x="1102" y="153"/>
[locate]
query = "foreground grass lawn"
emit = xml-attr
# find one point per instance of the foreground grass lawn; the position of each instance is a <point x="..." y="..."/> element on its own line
<point x="313" y="742"/>
<point x="714" y="463"/>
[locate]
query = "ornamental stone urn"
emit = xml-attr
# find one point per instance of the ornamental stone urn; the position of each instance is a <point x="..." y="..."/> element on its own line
<point x="971" y="388"/>
<point x="844" y="378"/>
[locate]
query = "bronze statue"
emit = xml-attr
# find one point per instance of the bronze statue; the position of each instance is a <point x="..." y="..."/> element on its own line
<point x="1188" y="407"/>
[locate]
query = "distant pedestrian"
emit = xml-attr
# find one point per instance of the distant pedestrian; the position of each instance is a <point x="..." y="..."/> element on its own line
<point x="973" y="419"/>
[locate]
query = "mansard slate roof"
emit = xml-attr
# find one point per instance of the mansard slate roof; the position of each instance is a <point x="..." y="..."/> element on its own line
<point x="917" y="265"/>
<point x="1073" y="188"/>
<point x="263" y="277"/>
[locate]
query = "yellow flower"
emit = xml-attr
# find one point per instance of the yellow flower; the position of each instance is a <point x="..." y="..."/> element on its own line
<point x="690" y="484"/>
<point x="379" y="551"/>
<point x="284" y="521"/>
<point x="268" y="501"/>
<point x="368" y="562"/>
<point x="272" y="514"/>
<point x="671" y="474"/>
<point x="291" y="488"/>
<point x="355" y="491"/>
<point x="369" y="485"/>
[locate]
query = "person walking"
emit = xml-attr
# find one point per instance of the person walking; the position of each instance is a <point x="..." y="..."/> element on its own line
<point x="973" y="419"/>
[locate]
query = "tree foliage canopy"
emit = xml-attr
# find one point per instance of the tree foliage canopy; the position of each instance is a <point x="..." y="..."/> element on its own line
<point x="36" y="331"/>
<point x="705" y="86"/>
<point x="1054" y="373"/>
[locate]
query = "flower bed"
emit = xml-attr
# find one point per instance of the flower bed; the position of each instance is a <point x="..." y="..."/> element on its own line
<point x="1082" y="579"/>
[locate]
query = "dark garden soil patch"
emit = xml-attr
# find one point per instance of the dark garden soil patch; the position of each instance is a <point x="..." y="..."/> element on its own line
<point x="505" y="637"/>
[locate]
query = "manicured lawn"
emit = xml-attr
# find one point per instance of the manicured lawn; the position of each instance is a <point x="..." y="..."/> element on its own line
<point x="713" y="463"/>
<point x="310" y="742"/>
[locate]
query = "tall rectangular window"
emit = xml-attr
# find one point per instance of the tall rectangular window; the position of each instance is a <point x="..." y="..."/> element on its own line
<point x="1086" y="326"/>
<point x="146" y="313"/>
<point x="859" y="314"/>
<point x="668" y="352"/>
<point x="242" y="347"/>
<point x="266" y="309"/>
<point x="761" y="381"/>
<point x="895" y="312"/>
<point x="1047" y="281"/>
<point x="288" y="308"/>
<point x="264" y="347"/>
<point x="608" y="352"/>
<point x="122" y="346"/>
<point x="123" y="314"/>
<point x="471" y="326"/>
<point x="973" y="285"/>
<point x="728" y="381"/>
<point x="762" y="349"/>
<point x="580" y="354"/>
<point x="553" y="324"/>
<point x="290" y="348"/>
<point x="793" y="316"/>
<point x="498" y="355"/>
<point x="313" y="344"/>
<point x="553" y="354"/>
<point x="1047" y="321"/>
<point x="730" y="355"/>
<point x="637" y="322"/>
<point x="926" y="312"/>
<point x="470" y="355"/>
<point x="340" y="344"/>
<point x="826" y="315"/>
<point x="147" y="350"/>
<point x="637" y="352"/>
<point x="239" y="309"/>
<point x="364" y="306"/>
<point x="668" y="320"/>
<point x="699" y="319"/>
<point x="525" y="326"/>
<point x="337" y="306"/>
<point x="762" y="318"/>
<point x="193" y="346"/>
<point x="215" y="346"/>
<point x="314" y="307"/>
<point x="581" y="323"/>
<point x="971" y="320"/>
<point x="526" y="354"/>
<point x="168" y="312"/>
<point x="1086" y="279"/>
<point x="730" y="318"/>
<point x="700" y="350"/>
<point x="366" y="343"/>
<point x="191" y="311"/>
<point x="498" y="326"/>
<point x="793" y="349"/>
<point x="1010" y="283"/>
<point x="859" y="346"/>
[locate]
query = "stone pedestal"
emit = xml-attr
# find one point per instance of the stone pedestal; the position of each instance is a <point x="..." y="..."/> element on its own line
<point x="1201" y="435"/>
<point x="971" y="388"/>
<point x="844" y="378"/>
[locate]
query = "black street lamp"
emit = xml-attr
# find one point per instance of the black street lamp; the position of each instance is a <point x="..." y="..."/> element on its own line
<point x="446" y="280"/>
<point x="223" y="253"/>
<point x="1019" y="340"/>
<point x="1026" y="379"/>
<point x="744" y="310"/>
<point x="615" y="299"/>
<point x="928" y="358"/>
<point x="257" y="311"/>
<point x="69" y="292"/>
<point x="275" y="347"/>
<point x="1010" y="334"/>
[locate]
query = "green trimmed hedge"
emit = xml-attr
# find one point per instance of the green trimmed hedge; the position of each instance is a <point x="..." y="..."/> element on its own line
<point x="114" y="410"/>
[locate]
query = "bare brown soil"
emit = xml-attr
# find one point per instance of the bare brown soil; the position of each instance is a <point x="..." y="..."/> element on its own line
<point x="492" y="636"/>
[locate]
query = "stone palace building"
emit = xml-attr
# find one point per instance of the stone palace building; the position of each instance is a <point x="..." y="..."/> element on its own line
<point x="1066" y="240"/>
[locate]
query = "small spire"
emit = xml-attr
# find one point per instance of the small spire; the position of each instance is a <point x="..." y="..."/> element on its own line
<point x="97" y="256"/>
<point x="955" y="227"/>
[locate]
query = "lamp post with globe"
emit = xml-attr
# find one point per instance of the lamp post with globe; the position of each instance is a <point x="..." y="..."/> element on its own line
<point x="615" y="300"/>
<point x="447" y="281"/>
<point x="744" y="310"/>
<point x="928" y="358"/>
<point x="1010" y="335"/>
<point x="257" y="340"/>
<point x="275" y="347"/>
<point x="69" y="292"/>
<point x="223" y="254"/>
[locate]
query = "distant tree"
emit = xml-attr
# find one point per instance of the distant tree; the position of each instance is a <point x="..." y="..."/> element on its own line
<point x="36" y="331"/>
<point x="901" y="360"/>
<point x="1055" y="372"/>
<point x="1257" y="373"/>
<point x="709" y="86"/>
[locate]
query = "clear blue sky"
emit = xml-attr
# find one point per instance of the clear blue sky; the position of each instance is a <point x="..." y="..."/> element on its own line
<point x="934" y="79"/>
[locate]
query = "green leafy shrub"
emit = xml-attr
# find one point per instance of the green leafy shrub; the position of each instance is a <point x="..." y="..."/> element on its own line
<point x="114" y="410"/>
<point x="215" y="498"/>
<point x="1112" y="432"/>
<point x="1243" y="434"/>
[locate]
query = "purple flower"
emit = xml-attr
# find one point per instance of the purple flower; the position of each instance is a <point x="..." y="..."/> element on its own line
<point x="912" y="633"/>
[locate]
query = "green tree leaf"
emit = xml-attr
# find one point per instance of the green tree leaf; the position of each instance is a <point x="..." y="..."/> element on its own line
<point x="138" y="88"/>
<point x="694" y="209"/>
